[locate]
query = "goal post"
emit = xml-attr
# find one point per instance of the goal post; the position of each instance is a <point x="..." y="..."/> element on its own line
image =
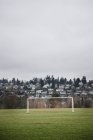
<point x="47" y="98"/>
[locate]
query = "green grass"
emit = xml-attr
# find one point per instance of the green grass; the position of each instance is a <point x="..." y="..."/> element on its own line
<point x="46" y="124"/>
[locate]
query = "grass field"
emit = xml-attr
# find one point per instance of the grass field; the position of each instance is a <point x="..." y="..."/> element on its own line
<point x="46" y="124"/>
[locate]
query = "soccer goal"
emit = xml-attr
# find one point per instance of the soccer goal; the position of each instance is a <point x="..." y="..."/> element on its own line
<point x="46" y="100"/>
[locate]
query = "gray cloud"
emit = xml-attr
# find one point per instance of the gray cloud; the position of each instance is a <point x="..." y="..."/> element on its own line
<point x="46" y="37"/>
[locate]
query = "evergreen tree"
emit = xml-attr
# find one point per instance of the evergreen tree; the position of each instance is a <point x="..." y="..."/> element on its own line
<point x="84" y="81"/>
<point x="41" y="82"/>
<point x="53" y="82"/>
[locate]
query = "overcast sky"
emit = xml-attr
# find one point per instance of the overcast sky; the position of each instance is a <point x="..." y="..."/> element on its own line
<point x="40" y="37"/>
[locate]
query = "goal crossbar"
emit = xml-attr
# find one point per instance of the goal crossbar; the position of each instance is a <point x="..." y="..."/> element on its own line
<point x="29" y="98"/>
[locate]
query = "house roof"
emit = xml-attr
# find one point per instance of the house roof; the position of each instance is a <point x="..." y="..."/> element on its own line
<point x="91" y="92"/>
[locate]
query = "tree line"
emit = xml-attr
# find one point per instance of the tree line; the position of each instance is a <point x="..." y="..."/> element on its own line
<point x="11" y="89"/>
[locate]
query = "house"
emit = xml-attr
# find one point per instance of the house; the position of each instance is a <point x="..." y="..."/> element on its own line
<point x="90" y="93"/>
<point x="67" y="87"/>
<point x="33" y="92"/>
<point x="84" y="93"/>
<point x="77" y="93"/>
<point x="33" y="87"/>
<point x="50" y="92"/>
<point x="63" y="94"/>
<point x="38" y="93"/>
<point x="46" y="86"/>
<point x="20" y="96"/>
<point x="61" y="86"/>
<point x="15" y="87"/>
<point x="44" y="94"/>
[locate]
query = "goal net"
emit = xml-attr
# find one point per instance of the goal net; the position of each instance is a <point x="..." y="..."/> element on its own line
<point x="50" y="102"/>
